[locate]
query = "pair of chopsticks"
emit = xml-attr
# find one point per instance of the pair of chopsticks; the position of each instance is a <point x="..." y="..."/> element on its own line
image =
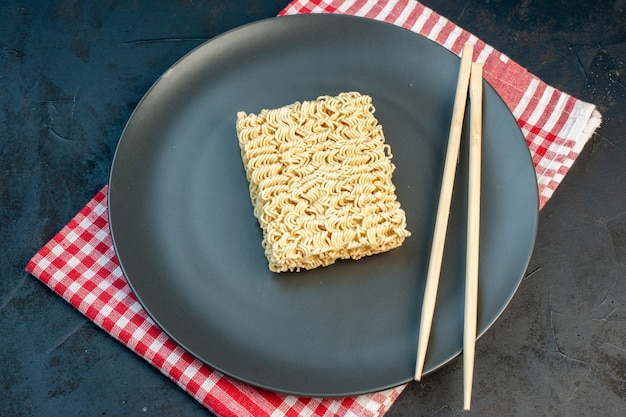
<point x="470" y="77"/>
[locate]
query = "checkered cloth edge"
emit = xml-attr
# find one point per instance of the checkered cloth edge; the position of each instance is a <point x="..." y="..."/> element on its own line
<point x="556" y="125"/>
<point x="80" y="265"/>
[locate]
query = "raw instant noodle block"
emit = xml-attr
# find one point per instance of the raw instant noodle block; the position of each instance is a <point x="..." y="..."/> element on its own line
<point x="320" y="181"/>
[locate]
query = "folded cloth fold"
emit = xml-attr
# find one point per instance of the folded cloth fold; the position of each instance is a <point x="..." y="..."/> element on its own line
<point x="80" y="265"/>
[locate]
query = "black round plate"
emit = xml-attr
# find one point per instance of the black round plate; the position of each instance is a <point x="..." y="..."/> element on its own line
<point x="184" y="232"/>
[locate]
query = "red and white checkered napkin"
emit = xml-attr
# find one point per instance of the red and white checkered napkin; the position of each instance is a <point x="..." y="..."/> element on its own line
<point x="79" y="263"/>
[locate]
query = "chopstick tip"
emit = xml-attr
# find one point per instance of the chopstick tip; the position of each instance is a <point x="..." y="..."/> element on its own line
<point x="418" y="370"/>
<point x="468" y="50"/>
<point x="467" y="398"/>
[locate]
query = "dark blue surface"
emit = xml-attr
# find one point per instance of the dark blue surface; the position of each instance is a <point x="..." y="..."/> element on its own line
<point x="72" y="72"/>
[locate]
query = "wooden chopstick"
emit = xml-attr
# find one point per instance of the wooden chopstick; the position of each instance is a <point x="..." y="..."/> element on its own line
<point x="443" y="210"/>
<point x="473" y="232"/>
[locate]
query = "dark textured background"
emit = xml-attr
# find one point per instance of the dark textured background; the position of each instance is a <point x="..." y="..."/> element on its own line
<point x="71" y="73"/>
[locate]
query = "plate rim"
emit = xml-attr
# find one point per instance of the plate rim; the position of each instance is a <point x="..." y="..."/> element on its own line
<point x="161" y="79"/>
